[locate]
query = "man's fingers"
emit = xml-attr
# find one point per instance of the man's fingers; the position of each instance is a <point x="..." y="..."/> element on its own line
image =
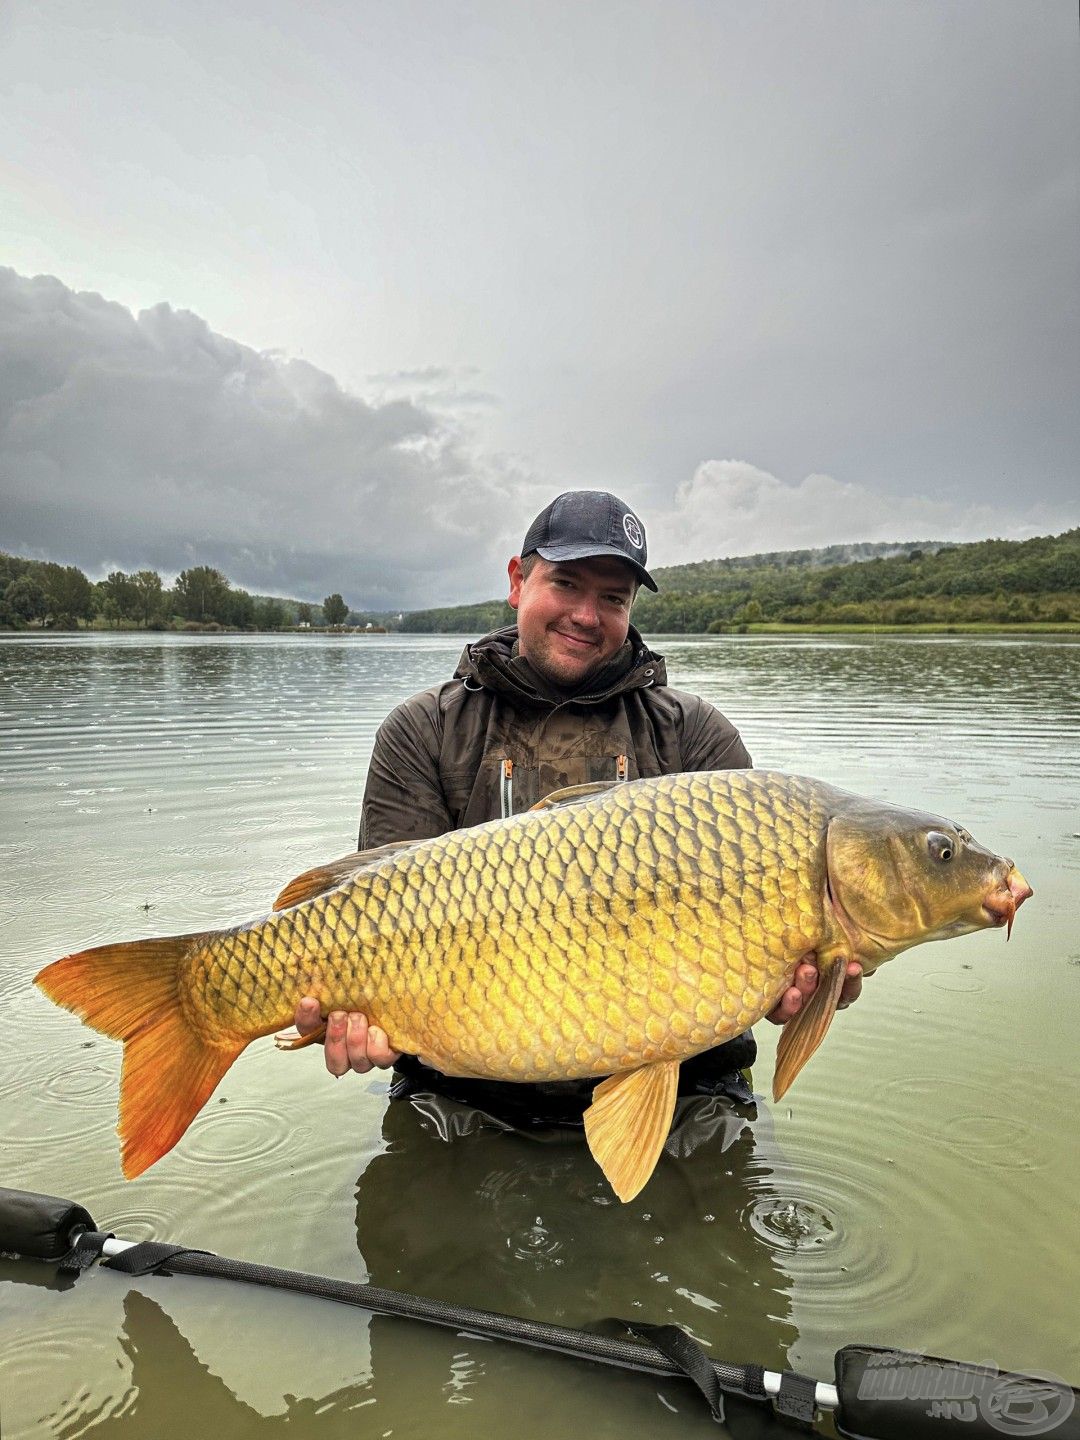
<point x="335" y="1047"/>
<point x="852" y="985"/>
<point x="805" y="978"/>
<point x="378" y="1048"/>
<point x="786" y="1008"/>
<point x="350" y="1043"/>
<point x="791" y="1002"/>
<point x="356" y="1043"/>
<point x="803" y="984"/>
<point x="308" y="1016"/>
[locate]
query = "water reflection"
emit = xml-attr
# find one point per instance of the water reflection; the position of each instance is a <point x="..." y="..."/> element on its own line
<point x="536" y="1233"/>
<point x="193" y="775"/>
<point x="163" y="1364"/>
<point x="529" y="1227"/>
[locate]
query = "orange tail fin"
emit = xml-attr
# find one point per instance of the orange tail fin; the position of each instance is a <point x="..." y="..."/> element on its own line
<point x="130" y="992"/>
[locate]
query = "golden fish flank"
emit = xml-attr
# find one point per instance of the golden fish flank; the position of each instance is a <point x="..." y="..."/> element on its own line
<point x="610" y="932"/>
<point x="615" y="931"/>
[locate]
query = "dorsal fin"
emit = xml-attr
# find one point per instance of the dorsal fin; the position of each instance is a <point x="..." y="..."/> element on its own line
<point x="572" y="793"/>
<point x="322" y="878"/>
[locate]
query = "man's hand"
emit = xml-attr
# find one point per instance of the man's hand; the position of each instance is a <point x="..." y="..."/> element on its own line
<point x="351" y="1044"/>
<point x="804" y="983"/>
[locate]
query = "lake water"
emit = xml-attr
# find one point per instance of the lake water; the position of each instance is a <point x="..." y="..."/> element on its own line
<point x="916" y="1188"/>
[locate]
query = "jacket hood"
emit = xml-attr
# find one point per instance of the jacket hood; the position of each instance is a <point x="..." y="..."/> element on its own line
<point x="492" y="663"/>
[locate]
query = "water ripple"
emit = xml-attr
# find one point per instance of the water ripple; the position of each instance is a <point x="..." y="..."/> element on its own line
<point x="789" y="1223"/>
<point x="84" y="1083"/>
<point x="192" y="776"/>
<point x="236" y="1134"/>
<point x="969" y="1125"/>
<point x="814" y="1217"/>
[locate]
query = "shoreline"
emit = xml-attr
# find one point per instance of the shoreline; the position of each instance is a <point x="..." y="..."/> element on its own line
<point x="736" y="631"/>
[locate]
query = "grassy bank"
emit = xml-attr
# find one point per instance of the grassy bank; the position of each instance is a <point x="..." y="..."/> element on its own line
<point x="960" y="627"/>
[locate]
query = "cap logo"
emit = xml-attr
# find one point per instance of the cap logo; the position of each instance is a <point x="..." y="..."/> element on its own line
<point x="633" y="531"/>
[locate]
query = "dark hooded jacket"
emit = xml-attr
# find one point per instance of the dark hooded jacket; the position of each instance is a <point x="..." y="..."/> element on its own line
<point x="440" y="758"/>
<point x="496" y="739"/>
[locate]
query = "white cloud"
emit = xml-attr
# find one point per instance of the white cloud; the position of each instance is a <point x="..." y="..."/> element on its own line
<point x="731" y="507"/>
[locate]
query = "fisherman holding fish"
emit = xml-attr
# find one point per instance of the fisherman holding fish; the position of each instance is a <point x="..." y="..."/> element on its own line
<point x="569" y="696"/>
<point x="639" y="900"/>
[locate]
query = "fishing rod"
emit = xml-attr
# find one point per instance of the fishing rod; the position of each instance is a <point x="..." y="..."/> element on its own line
<point x="876" y="1394"/>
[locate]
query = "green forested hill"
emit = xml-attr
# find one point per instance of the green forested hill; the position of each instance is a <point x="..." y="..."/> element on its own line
<point x="705" y="575"/>
<point x="988" y="581"/>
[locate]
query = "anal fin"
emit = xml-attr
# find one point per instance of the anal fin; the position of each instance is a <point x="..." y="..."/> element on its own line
<point x="629" y="1120"/>
<point x="802" y="1035"/>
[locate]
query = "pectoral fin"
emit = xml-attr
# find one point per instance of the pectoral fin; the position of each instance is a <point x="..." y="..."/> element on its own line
<point x="802" y="1036"/>
<point x="628" y="1121"/>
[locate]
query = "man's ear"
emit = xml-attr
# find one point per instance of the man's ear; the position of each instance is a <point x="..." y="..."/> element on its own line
<point x="517" y="579"/>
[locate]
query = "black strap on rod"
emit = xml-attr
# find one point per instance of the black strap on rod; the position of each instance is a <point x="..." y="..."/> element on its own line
<point x="795" y="1398"/>
<point x="149" y="1258"/>
<point x="86" y="1249"/>
<point x="889" y="1395"/>
<point x="691" y="1359"/>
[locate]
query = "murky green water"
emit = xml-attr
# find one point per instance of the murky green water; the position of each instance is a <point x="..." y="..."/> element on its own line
<point x="916" y="1188"/>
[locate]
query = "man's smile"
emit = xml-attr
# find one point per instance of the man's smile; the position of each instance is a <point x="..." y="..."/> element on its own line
<point x="577" y="642"/>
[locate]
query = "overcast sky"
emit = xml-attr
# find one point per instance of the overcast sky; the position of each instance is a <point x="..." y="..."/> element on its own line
<point x="336" y="295"/>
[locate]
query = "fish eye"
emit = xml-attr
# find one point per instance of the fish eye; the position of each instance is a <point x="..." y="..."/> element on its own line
<point x="941" y="846"/>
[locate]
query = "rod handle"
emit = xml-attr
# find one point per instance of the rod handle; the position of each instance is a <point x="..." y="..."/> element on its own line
<point x="41" y="1226"/>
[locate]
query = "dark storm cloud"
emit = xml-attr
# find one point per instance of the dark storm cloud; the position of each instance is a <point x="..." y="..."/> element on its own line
<point x="780" y="273"/>
<point x="150" y="440"/>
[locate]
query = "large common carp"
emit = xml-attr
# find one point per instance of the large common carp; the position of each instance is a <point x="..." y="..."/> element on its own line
<point x="612" y="931"/>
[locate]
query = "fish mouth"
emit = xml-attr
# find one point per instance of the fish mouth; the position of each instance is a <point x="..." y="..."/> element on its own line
<point x="1003" y="902"/>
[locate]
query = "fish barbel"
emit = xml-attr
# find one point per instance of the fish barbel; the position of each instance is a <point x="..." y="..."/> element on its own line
<point x="613" y="931"/>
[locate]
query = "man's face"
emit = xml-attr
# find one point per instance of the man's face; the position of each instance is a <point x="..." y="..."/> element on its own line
<point x="572" y="615"/>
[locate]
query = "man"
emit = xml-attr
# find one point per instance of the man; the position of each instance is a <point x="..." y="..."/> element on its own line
<point x="571" y="694"/>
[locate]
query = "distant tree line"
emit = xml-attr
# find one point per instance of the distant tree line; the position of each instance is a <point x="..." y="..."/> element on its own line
<point x="41" y="593"/>
<point x="459" y="619"/>
<point x="989" y="581"/>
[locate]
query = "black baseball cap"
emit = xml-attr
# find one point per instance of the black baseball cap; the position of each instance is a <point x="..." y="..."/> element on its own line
<point x="582" y="523"/>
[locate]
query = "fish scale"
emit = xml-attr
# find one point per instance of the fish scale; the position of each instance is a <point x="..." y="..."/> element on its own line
<point x="636" y="893"/>
<point x="603" y="934"/>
